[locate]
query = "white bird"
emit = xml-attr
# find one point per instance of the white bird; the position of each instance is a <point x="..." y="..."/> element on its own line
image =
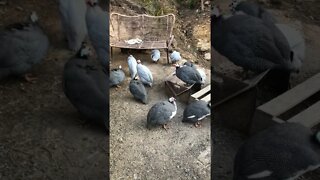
<point x="144" y="74"/>
<point x="155" y="55"/>
<point x="175" y="56"/>
<point x="132" y="64"/>
<point x="73" y="19"/>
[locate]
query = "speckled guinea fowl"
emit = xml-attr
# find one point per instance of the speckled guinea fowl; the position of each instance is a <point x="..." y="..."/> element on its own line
<point x="132" y="64"/>
<point x="144" y="74"/>
<point x="283" y="151"/>
<point x="117" y="76"/>
<point x="73" y="20"/>
<point x="98" y="30"/>
<point x="86" y="87"/>
<point x="195" y="112"/>
<point x="22" y="45"/>
<point x="161" y="113"/>
<point x="251" y="43"/>
<point x="201" y="71"/>
<point x="138" y="90"/>
<point x="188" y="74"/>
<point x="155" y="55"/>
<point x="252" y="9"/>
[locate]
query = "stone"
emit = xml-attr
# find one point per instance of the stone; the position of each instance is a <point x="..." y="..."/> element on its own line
<point x="207" y="56"/>
<point x="203" y="46"/>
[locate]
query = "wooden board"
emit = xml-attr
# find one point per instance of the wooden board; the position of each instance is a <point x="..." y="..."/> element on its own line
<point x="200" y="95"/>
<point x="292" y="97"/>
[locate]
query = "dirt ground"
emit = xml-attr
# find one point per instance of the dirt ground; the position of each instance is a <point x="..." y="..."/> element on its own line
<point x="182" y="152"/>
<point x="41" y="134"/>
<point x="302" y="16"/>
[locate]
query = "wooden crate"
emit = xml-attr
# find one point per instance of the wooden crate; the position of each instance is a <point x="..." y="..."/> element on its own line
<point x="177" y="88"/>
<point x="300" y="104"/>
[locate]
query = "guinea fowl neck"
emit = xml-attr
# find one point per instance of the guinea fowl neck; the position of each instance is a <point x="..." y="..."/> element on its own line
<point x="175" y="105"/>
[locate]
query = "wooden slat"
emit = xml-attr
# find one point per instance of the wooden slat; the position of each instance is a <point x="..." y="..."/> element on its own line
<point x="308" y="117"/>
<point x="201" y="92"/>
<point x="143" y="45"/>
<point x="292" y="97"/>
<point x="207" y="98"/>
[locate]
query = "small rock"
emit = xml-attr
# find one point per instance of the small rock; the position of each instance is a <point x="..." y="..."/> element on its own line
<point x="203" y="46"/>
<point x="207" y="56"/>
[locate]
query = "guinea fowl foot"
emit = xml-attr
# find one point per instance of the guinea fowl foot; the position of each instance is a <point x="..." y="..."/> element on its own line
<point x="197" y="124"/>
<point x="165" y="126"/>
<point x="30" y="78"/>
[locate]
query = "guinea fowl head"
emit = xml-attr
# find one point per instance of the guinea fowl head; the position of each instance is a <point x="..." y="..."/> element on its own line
<point x="317" y="137"/>
<point x="84" y="52"/>
<point x="34" y="17"/>
<point x="171" y="99"/>
<point x="92" y="3"/>
<point x="295" y="63"/>
<point x="216" y="11"/>
<point x="234" y="4"/>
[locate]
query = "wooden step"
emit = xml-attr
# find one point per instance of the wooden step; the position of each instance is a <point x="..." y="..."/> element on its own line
<point x="204" y="94"/>
<point x="300" y="104"/>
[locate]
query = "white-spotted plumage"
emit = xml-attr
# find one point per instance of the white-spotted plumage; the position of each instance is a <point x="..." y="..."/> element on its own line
<point x="132" y="64"/>
<point x="144" y="74"/>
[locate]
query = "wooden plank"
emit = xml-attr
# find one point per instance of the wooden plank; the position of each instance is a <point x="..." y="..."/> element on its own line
<point x="201" y="92"/>
<point x="207" y="98"/>
<point x="308" y="117"/>
<point x="292" y="97"/>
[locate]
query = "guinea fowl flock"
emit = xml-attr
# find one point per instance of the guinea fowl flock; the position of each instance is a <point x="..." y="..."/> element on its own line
<point x="253" y="39"/>
<point x="85" y="82"/>
<point x="162" y="112"/>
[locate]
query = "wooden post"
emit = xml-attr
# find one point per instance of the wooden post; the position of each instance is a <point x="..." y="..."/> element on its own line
<point x="202" y="5"/>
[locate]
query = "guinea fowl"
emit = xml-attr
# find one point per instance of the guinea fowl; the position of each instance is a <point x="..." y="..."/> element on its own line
<point x="201" y="71"/>
<point x="145" y="74"/>
<point x="161" y="113"/>
<point x="175" y="56"/>
<point x="73" y="18"/>
<point x="296" y="43"/>
<point x="22" y="45"/>
<point x="188" y="74"/>
<point x="117" y="76"/>
<point x="138" y="90"/>
<point x="195" y="112"/>
<point x="86" y="87"/>
<point x="251" y="43"/>
<point x="132" y="64"/>
<point x="283" y="151"/>
<point x="252" y="9"/>
<point x="98" y="30"/>
<point x="155" y="55"/>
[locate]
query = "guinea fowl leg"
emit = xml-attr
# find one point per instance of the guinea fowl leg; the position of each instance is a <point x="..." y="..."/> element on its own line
<point x="165" y="126"/>
<point x="30" y="78"/>
<point x="197" y="124"/>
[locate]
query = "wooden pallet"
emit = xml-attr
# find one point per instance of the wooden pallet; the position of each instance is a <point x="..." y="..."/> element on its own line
<point x="204" y="94"/>
<point x="300" y="104"/>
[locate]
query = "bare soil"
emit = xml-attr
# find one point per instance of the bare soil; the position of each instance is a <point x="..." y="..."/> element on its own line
<point x="42" y="136"/>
